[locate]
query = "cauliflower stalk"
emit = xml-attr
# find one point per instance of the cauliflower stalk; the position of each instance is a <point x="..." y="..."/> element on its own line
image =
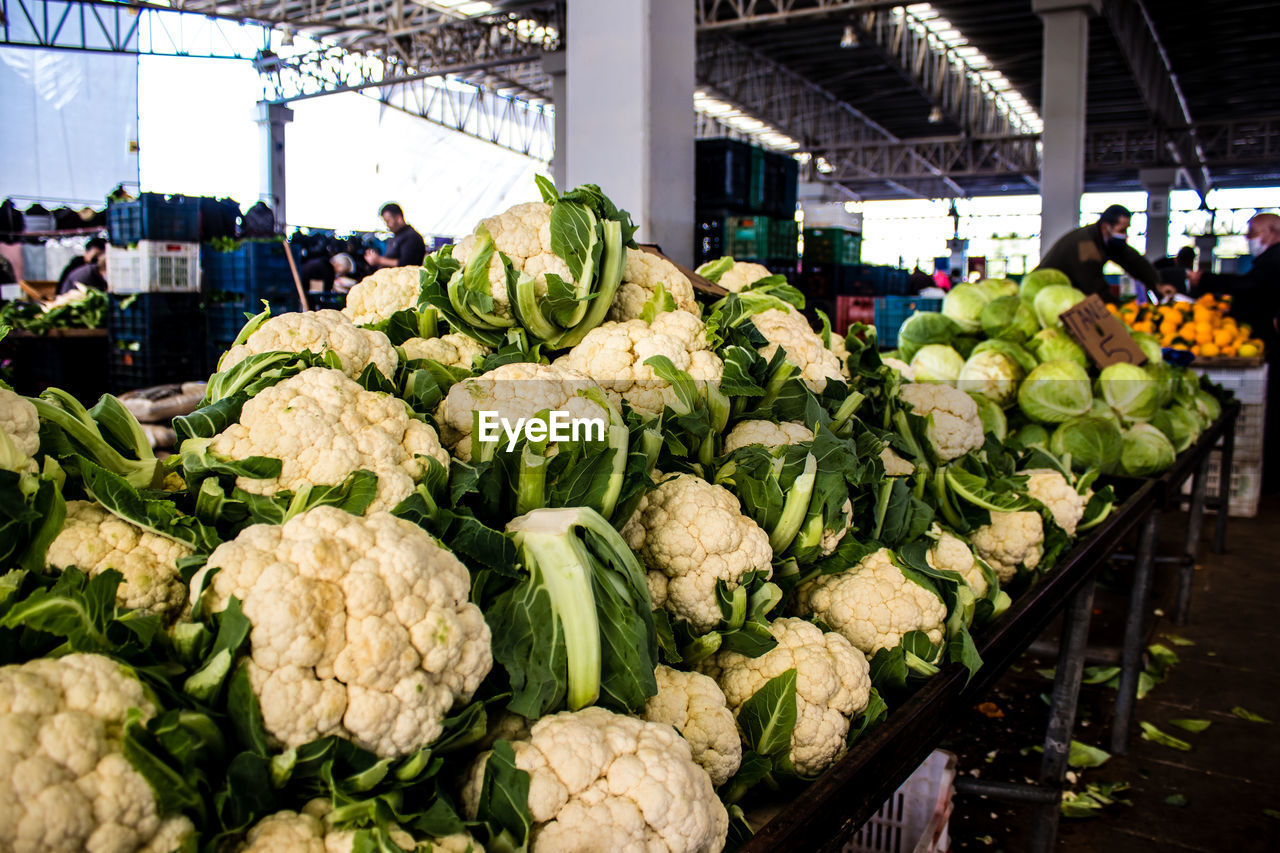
<point x="68" y="786"/>
<point x="826" y="678"/>
<point x="602" y="781"/>
<point x="361" y="628"/>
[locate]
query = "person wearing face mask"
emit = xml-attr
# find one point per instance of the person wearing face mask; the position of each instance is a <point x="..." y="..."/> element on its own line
<point x="1255" y="295"/>
<point x="1082" y="254"/>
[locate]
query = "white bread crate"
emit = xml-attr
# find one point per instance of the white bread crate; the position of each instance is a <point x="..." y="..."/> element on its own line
<point x="1249" y="384"/>
<point x="915" y="818"/>
<point x="154" y="266"/>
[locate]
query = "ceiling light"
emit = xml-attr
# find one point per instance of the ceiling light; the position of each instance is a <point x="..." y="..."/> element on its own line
<point x="935" y="115"/>
<point x="850" y="38"/>
<point x="824" y="167"/>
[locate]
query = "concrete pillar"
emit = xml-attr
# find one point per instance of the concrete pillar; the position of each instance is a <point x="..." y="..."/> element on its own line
<point x="1066" y="57"/>
<point x="1159" y="184"/>
<point x="630" y="123"/>
<point x="272" y="118"/>
<point x="553" y="65"/>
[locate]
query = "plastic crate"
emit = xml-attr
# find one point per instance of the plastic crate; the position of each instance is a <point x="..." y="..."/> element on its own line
<point x="254" y="270"/>
<point x="134" y="364"/>
<point x="1245" y="488"/>
<point x="154" y="317"/>
<point x="853" y="309"/>
<point x="1249" y="384"/>
<point x="153" y="216"/>
<point x="219" y="217"/>
<point x="748" y="236"/>
<point x="154" y="267"/>
<point x="915" y="819"/>
<point x="728" y="173"/>
<point x="784" y="237"/>
<point x="329" y="299"/>
<point x="892" y="311"/>
<point x="832" y="246"/>
<point x="782" y="179"/>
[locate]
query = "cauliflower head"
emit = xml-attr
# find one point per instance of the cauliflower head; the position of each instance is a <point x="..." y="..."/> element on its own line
<point x="20" y="428"/>
<point x="790" y="331"/>
<point x="641" y="275"/>
<point x="523" y="234"/>
<point x="895" y="465"/>
<point x="742" y="275"/>
<point x="361" y="627"/>
<point x="694" y="704"/>
<point x="453" y="349"/>
<point x="833" y="683"/>
<point x="955" y="427"/>
<point x="767" y="433"/>
<point x="873" y="604"/>
<point x="65" y="784"/>
<point x="323" y="426"/>
<point x="604" y="781"/>
<point x="1060" y="497"/>
<point x="93" y="540"/>
<point x="311" y="831"/>
<point x="613" y="354"/>
<point x="950" y="553"/>
<point x="517" y="390"/>
<point x="908" y="372"/>
<point x="376" y="297"/>
<point x="1012" y="540"/>
<point x="318" y="331"/>
<point x="691" y="534"/>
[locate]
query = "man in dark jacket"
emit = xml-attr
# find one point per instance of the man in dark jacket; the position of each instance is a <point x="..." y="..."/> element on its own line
<point x="406" y="248"/>
<point x="1255" y="295"/>
<point x="94" y="249"/>
<point x="1082" y="253"/>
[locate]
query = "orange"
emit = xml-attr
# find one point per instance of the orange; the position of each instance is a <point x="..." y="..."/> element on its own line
<point x="1248" y="350"/>
<point x="1208" y="350"/>
<point x="1222" y="337"/>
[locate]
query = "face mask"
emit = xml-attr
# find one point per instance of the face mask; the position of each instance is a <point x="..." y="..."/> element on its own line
<point x="1256" y="246"/>
<point x="1115" y="241"/>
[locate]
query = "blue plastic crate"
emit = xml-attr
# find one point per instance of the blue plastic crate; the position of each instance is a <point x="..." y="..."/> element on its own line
<point x="255" y="270"/>
<point x="892" y="311"/>
<point x="153" y="216"/>
<point x="153" y="316"/>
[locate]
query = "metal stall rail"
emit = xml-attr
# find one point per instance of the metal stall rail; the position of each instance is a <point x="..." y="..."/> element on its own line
<point x="839" y="802"/>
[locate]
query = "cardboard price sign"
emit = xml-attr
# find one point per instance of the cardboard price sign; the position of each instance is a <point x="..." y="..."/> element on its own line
<point x="1101" y="334"/>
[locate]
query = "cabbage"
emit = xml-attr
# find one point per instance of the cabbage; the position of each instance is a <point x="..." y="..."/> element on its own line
<point x="1054" y="392"/>
<point x="996" y="288"/>
<point x="1150" y="346"/>
<point x="1129" y="390"/>
<point x="1053" y="300"/>
<point x="1147" y="451"/>
<point x="937" y="363"/>
<point x="1057" y="345"/>
<point x="964" y="304"/>
<point x="1100" y="409"/>
<point x="1180" y="426"/>
<point x="991" y="374"/>
<point x="1090" y="442"/>
<point x="1009" y="318"/>
<point x="993" y="419"/>
<point x="1166" y="379"/>
<point x="1031" y="435"/>
<point x="1010" y="350"/>
<point x="924" y="327"/>
<point x="1037" y="280"/>
<point x="1208" y="406"/>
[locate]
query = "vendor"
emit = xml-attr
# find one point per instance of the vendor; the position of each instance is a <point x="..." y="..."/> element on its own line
<point x="92" y="275"/>
<point x="93" y="250"/>
<point x="1082" y="253"/>
<point x="406" y="247"/>
<point x="1255" y="295"/>
<point x="326" y="270"/>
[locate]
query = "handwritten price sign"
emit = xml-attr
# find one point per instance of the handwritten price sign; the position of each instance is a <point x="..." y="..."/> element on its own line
<point x="1101" y="334"/>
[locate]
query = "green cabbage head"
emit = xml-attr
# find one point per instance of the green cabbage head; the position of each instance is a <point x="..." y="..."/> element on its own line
<point x="1054" y="392"/>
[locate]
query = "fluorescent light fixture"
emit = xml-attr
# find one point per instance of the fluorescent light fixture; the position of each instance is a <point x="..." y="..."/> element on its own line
<point x="849" y="38"/>
<point x="477" y="8"/>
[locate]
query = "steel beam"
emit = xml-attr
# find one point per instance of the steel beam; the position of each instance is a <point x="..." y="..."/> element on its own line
<point x="736" y="14"/>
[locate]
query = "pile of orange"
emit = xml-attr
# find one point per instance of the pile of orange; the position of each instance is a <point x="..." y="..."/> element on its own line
<point x="1202" y="327"/>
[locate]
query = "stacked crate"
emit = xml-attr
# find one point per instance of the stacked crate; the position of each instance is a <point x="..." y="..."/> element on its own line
<point x="1245" y="484"/>
<point x="154" y="339"/>
<point x="237" y="282"/>
<point x="746" y="204"/>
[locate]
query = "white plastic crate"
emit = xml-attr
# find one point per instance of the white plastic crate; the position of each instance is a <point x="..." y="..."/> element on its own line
<point x="1245" y="486"/>
<point x="154" y="266"/>
<point x="915" y="818"/>
<point x="1249" y="384"/>
<point x="1250" y="430"/>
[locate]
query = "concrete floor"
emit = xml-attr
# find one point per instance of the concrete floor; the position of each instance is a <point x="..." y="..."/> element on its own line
<point x="1224" y="787"/>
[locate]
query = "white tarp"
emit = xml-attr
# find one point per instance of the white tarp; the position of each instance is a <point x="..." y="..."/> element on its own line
<point x="71" y="124"/>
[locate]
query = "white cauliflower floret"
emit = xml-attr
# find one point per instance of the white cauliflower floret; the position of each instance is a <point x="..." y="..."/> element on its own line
<point x="908" y="372"/>
<point x="453" y="349"/>
<point x="767" y="433"/>
<point x="791" y="331"/>
<point x="361" y="627"/>
<point x="691" y="534"/>
<point x="318" y="331"/>
<point x="512" y="391"/>
<point x="613" y="354"/>
<point x="600" y="781"/>
<point x="19" y="433"/>
<point x="1060" y="497"/>
<point x="324" y="427"/>
<point x="955" y="428"/>
<point x="378" y="296"/>
<point x="641" y="275"/>
<point x="93" y="540"/>
<point x="742" y="275"/>
<point x="695" y="705"/>
<point x="65" y="784"/>
<point x="1011" y="541"/>
<point x="950" y="553"/>
<point x="523" y="234"/>
<point x="873" y="604"/>
<point x="833" y="683"/>
<point x="311" y="831"/>
<point x="895" y="465"/>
